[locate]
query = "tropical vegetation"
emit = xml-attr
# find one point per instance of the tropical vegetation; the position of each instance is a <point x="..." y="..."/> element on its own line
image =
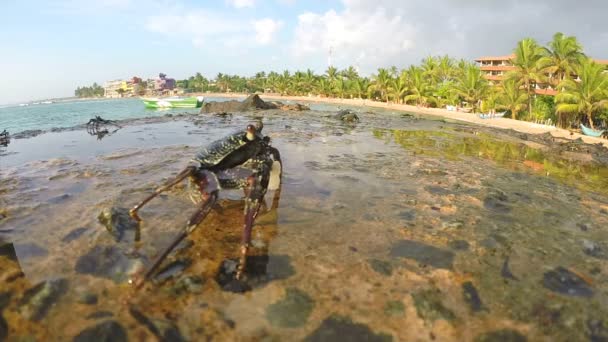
<point x="93" y="91"/>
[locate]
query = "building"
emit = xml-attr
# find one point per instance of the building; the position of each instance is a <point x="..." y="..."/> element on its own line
<point x="495" y="68"/>
<point x="111" y="88"/>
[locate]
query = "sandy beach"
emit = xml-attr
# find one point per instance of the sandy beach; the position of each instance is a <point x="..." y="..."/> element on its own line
<point x="504" y="123"/>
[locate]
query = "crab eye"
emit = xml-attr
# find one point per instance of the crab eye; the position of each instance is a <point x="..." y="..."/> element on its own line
<point x="250" y="128"/>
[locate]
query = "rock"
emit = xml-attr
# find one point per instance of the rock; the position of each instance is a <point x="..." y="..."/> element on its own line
<point x="497" y="202"/>
<point x="3" y="328"/>
<point x="8" y="250"/>
<point x="189" y="284"/>
<point x="292" y="311"/>
<point x="172" y="270"/>
<point x="424" y="254"/>
<point x="27" y="134"/>
<point x="429" y="306"/>
<point x="381" y="266"/>
<point x="437" y="190"/>
<point x="505" y="272"/>
<point x="458" y="245"/>
<point x="293" y="107"/>
<point x="563" y="281"/>
<point x="31" y="250"/>
<point x="74" y="234"/>
<point x="347" y="115"/>
<point x="37" y="300"/>
<point x="5" y="298"/>
<point x="394" y="308"/>
<point x="504" y="335"/>
<point x="252" y="102"/>
<point x="338" y="328"/>
<point x="105" y="262"/>
<point x="100" y="314"/>
<point x="408" y="215"/>
<point x="108" y="331"/>
<point x="595" y="250"/>
<point x="598" y="330"/>
<point x="88" y="298"/>
<point x="260" y="270"/>
<point x="471" y="296"/>
<point x="163" y="330"/>
<point x="117" y="221"/>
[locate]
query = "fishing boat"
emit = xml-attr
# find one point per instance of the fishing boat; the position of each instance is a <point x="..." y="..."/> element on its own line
<point x="591" y="132"/>
<point x="490" y="116"/>
<point x="173" y="102"/>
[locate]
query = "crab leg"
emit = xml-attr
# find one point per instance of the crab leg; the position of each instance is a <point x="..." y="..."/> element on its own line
<point x="181" y="176"/>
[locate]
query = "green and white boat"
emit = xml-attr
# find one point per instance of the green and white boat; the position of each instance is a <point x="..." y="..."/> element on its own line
<point x="173" y="102"/>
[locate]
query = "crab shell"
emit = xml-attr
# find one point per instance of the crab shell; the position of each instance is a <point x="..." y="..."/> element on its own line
<point x="230" y="151"/>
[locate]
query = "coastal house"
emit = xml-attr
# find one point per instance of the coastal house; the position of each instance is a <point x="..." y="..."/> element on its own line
<point x="496" y="67"/>
<point x="111" y="88"/>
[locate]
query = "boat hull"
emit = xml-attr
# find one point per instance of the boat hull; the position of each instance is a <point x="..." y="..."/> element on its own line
<point x="187" y="102"/>
<point x="591" y="132"/>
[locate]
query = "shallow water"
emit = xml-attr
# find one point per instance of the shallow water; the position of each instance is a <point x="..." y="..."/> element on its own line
<point x="399" y="228"/>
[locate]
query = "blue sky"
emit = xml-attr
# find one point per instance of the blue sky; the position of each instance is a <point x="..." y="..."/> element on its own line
<point x="50" y="47"/>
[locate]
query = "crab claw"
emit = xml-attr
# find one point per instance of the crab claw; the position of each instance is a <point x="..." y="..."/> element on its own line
<point x="133" y="214"/>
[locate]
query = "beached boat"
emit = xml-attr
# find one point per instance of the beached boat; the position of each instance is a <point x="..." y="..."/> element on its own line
<point x="491" y="116"/>
<point x="591" y="132"/>
<point x="173" y="102"/>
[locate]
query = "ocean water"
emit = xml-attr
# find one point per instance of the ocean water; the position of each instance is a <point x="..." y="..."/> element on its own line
<point x="71" y="113"/>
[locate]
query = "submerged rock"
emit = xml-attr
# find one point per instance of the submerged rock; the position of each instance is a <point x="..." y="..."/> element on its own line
<point x="497" y="202"/>
<point x="471" y="296"/>
<point x="73" y="235"/>
<point x="8" y="250"/>
<point x="292" y="311"/>
<point x="338" y="328"/>
<point x="381" y="266"/>
<point x="172" y="270"/>
<point x="100" y="314"/>
<point x="458" y="245"/>
<point x="424" y="254"/>
<point x="189" y="284"/>
<point x="563" y="281"/>
<point x="347" y="115"/>
<point x="394" y="308"/>
<point x="117" y="221"/>
<point x="37" y="300"/>
<point x="163" y="330"/>
<point x="260" y="270"/>
<point x="595" y="250"/>
<point x="252" y="102"/>
<point x="105" y="262"/>
<point x="504" y="335"/>
<point x="31" y="250"/>
<point x="3" y="328"/>
<point x="5" y="298"/>
<point x="429" y="306"/>
<point x="505" y="272"/>
<point x="108" y="331"/>
<point x="598" y="330"/>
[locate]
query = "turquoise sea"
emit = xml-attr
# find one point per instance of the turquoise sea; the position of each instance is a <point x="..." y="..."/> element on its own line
<point x="71" y="113"/>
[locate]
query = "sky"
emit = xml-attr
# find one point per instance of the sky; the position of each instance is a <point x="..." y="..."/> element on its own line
<point x="49" y="47"/>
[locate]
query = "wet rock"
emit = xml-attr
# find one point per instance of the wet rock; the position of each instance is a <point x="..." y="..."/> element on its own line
<point x="31" y="250"/>
<point x="117" y="221"/>
<point x="429" y="306"/>
<point x="37" y="300"/>
<point x="497" y="202"/>
<point x="598" y="330"/>
<point x="505" y="271"/>
<point x="504" y="335"/>
<point x="338" y="328"/>
<point x="163" y="330"/>
<point x="253" y="102"/>
<point x="5" y="298"/>
<point x="347" y="115"/>
<point x="59" y="199"/>
<point x="453" y="225"/>
<point x="595" y="250"/>
<point x="8" y="250"/>
<point x="108" y="331"/>
<point x="381" y="266"/>
<point x="471" y="296"/>
<point x="582" y="226"/>
<point x="3" y="328"/>
<point x="27" y="134"/>
<point x="188" y="284"/>
<point x="424" y="254"/>
<point x="437" y="190"/>
<point x="408" y="215"/>
<point x="88" y="298"/>
<point x="100" y="314"/>
<point x="563" y="281"/>
<point x="458" y="245"/>
<point x="260" y="270"/>
<point x="394" y="308"/>
<point x="292" y="311"/>
<point x="172" y="270"/>
<point x="105" y="262"/>
<point x="74" y="234"/>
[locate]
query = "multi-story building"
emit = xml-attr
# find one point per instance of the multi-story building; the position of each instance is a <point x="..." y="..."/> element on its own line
<point x="495" y="69"/>
<point x="111" y="88"/>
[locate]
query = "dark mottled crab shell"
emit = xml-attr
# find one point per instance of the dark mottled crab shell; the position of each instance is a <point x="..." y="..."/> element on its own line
<point x="228" y="152"/>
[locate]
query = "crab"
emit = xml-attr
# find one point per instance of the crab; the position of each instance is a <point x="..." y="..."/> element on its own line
<point x="242" y="160"/>
<point x="98" y="126"/>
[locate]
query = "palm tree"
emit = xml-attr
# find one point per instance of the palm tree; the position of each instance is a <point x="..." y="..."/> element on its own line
<point x="562" y="56"/>
<point x="589" y="95"/>
<point x="331" y="73"/>
<point x="421" y="91"/>
<point x="512" y="98"/>
<point x="323" y="87"/>
<point x="530" y="66"/>
<point x="380" y="83"/>
<point x="360" y="86"/>
<point x="397" y="88"/>
<point x="350" y="73"/>
<point x="471" y="86"/>
<point x="445" y="69"/>
<point x="430" y="69"/>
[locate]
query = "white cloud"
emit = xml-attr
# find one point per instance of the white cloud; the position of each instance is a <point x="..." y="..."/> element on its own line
<point x="357" y="35"/>
<point x="265" y="30"/>
<point x="241" y="3"/>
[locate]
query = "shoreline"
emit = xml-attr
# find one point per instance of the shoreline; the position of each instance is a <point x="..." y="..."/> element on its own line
<point x="502" y="123"/>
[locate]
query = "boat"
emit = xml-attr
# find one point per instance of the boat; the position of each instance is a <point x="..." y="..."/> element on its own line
<point x="592" y="132"/>
<point x="491" y="116"/>
<point x="173" y="102"/>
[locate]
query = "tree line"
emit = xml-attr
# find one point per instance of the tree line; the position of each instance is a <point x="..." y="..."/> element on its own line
<point x="582" y="84"/>
<point x="93" y="91"/>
